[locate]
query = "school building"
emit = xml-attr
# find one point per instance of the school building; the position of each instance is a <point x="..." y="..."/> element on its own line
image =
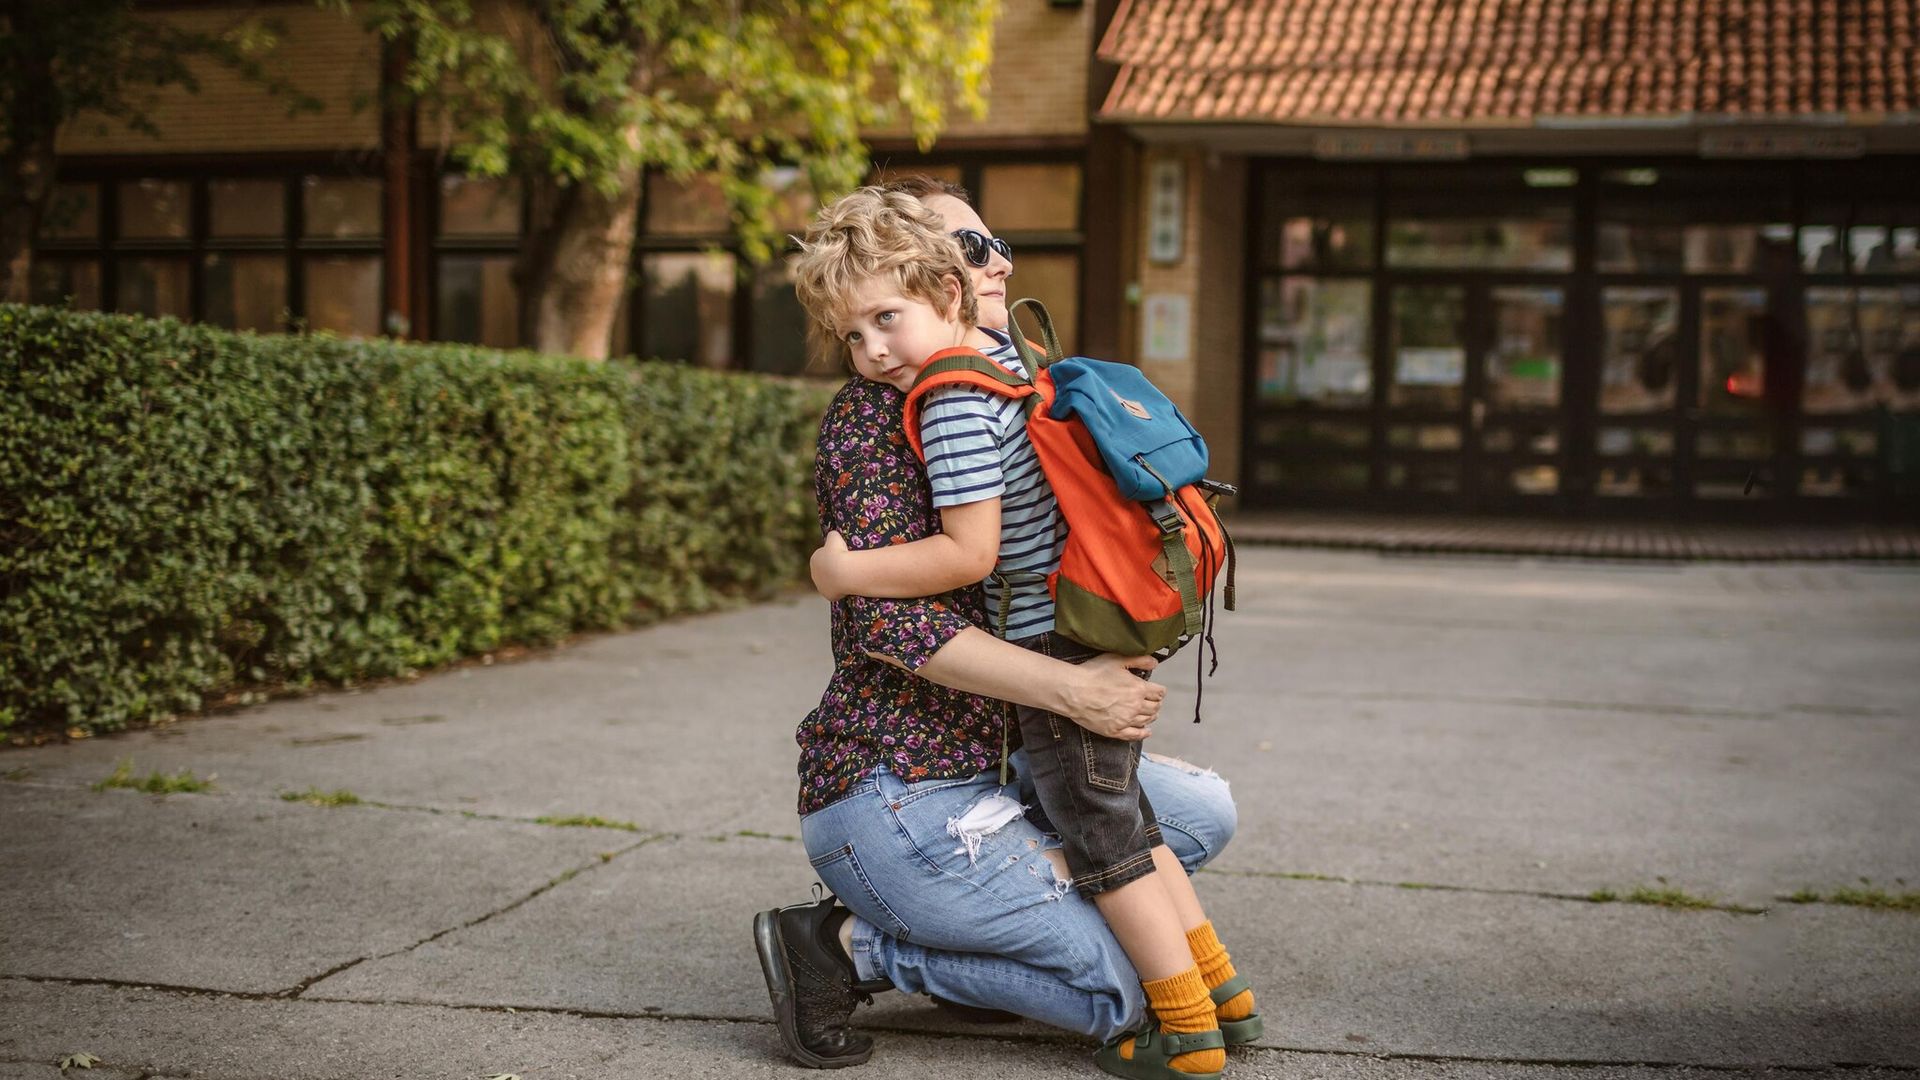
<point x="1654" y="258"/>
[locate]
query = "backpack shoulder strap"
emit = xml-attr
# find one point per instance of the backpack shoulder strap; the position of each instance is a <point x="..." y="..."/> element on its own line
<point x="958" y="366"/>
<point x="1036" y="362"/>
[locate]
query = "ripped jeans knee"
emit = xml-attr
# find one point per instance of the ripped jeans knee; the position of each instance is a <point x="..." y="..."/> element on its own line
<point x="992" y="813"/>
<point x="1187" y="767"/>
<point x="1194" y="806"/>
<point x="984" y="818"/>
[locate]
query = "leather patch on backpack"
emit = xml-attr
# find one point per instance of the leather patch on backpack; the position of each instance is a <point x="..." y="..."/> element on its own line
<point x="1133" y="407"/>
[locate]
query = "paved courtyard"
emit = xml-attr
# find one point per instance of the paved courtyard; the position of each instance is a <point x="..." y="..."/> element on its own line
<point x="1439" y="761"/>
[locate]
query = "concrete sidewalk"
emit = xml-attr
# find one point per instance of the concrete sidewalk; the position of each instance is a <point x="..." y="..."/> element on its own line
<point x="1437" y="762"/>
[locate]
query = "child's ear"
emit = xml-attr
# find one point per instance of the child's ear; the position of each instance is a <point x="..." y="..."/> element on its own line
<point x="956" y="295"/>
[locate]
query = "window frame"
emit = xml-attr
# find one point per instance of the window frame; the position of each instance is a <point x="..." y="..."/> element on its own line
<point x="109" y="249"/>
<point x="439" y="246"/>
<point x="1870" y="185"/>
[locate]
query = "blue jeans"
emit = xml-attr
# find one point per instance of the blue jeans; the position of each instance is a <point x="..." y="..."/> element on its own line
<point x="952" y="896"/>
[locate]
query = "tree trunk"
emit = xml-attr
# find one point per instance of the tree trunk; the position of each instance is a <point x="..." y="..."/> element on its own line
<point x="27" y="162"/>
<point x="573" y="274"/>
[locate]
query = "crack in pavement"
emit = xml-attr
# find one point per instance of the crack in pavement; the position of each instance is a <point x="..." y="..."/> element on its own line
<point x="1488" y="890"/>
<point x="1639" y="707"/>
<point x="1040" y="1038"/>
<point x="1286" y="875"/>
<point x="140" y="1072"/>
<point x="376" y="804"/>
<point x="304" y="985"/>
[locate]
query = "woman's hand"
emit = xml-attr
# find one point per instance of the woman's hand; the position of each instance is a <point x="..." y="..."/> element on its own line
<point x="1107" y="698"/>
<point x="1102" y="695"/>
<point x="825" y="566"/>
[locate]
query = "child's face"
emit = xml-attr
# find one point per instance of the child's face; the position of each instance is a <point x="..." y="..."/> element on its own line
<point x="889" y="336"/>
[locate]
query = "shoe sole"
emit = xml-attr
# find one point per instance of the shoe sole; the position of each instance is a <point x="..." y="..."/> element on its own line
<point x="1242" y="1032"/>
<point x="1108" y="1059"/>
<point x="773" y="964"/>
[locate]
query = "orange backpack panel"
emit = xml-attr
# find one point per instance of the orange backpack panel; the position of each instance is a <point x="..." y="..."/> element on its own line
<point x="1125" y="583"/>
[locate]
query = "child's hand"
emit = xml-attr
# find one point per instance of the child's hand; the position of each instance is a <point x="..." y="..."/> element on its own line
<point x="825" y="566"/>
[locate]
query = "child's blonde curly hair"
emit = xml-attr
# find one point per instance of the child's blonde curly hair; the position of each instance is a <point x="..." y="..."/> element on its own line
<point x="875" y="232"/>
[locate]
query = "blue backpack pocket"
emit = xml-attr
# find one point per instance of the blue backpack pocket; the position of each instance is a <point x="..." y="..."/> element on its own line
<point x="1146" y="443"/>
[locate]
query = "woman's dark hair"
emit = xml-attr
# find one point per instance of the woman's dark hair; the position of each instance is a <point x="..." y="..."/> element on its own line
<point x="920" y="185"/>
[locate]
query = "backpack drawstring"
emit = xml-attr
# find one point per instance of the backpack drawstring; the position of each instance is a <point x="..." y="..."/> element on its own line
<point x="1202" y="669"/>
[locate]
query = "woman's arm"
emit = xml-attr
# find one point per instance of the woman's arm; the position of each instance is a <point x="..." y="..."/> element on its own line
<point x="872" y="490"/>
<point x="1102" y="695"/>
<point x="960" y="554"/>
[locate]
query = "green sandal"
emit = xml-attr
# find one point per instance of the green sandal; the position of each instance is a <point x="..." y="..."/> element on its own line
<point x="1152" y="1049"/>
<point x="1242" y="1031"/>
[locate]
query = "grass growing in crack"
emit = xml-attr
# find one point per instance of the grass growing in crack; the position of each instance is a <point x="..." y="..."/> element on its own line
<point x="1803" y="896"/>
<point x="1668" y="897"/>
<point x="1417" y="885"/>
<point x="1282" y="875"/>
<point x="753" y="835"/>
<point x="313" y="796"/>
<point x="155" y="782"/>
<point x="585" y="821"/>
<point x="1876" y="899"/>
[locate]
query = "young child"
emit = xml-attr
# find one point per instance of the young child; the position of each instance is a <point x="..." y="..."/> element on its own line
<point x="881" y="277"/>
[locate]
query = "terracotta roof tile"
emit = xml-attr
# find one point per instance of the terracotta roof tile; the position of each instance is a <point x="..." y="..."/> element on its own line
<point x="1510" y="61"/>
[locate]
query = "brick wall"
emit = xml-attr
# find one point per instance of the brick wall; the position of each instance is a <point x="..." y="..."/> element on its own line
<point x="1182" y="278"/>
<point x="1038" y="84"/>
<point x="325" y="54"/>
<point x="1219" y="311"/>
<point x="1210" y="274"/>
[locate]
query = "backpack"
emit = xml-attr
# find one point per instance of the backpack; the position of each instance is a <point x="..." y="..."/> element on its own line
<point x="1144" y="543"/>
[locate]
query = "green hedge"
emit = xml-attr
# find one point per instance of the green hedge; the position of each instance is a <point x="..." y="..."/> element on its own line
<point x="187" y="512"/>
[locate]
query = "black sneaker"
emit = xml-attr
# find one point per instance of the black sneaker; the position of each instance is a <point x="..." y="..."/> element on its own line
<point x="812" y="983"/>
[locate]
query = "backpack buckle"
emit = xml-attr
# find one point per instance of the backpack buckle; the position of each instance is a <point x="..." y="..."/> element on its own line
<point x="1164" y="515"/>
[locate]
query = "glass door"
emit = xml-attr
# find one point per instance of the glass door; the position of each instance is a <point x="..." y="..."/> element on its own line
<point x="1516" y="416"/>
<point x="1684" y="412"/>
<point x="1863" y="365"/>
<point x="1642" y="347"/>
<point x="1311" y="389"/>
<point x="1732" y="428"/>
<point x="1474" y="381"/>
<point x="1426" y="394"/>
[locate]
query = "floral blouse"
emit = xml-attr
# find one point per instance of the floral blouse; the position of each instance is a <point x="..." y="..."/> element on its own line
<point x="874" y="491"/>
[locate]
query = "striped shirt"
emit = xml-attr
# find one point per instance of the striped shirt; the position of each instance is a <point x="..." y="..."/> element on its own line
<point x="977" y="449"/>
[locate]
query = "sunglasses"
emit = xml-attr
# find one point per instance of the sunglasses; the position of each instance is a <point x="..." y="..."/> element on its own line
<point x="976" y="246"/>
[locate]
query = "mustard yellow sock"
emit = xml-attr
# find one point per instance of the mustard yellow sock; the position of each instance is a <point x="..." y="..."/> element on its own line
<point x="1183" y="1007"/>
<point x="1216" y="967"/>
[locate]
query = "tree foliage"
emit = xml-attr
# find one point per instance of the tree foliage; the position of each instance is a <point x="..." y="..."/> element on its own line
<point x="587" y="92"/>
